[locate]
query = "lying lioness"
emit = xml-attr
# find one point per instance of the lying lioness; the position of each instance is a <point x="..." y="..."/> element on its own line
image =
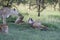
<point x="19" y="20"/>
<point x="35" y="24"/>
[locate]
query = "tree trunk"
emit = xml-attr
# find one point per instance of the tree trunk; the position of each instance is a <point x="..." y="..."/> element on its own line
<point x="43" y="4"/>
<point x="38" y="10"/>
<point x="38" y="4"/>
<point x="30" y="4"/>
<point x="55" y="3"/>
<point x="54" y="6"/>
<point x="59" y="4"/>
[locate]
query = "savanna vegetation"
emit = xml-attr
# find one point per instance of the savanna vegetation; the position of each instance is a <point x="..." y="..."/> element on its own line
<point x="45" y="11"/>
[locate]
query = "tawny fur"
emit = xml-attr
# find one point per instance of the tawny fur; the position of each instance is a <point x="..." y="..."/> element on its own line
<point x="35" y="24"/>
<point x="19" y="20"/>
<point x="5" y="12"/>
<point x="4" y="28"/>
<point x="38" y="25"/>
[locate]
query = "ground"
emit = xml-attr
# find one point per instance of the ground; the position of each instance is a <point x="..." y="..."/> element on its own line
<point x="49" y="18"/>
<point x="25" y="32"/>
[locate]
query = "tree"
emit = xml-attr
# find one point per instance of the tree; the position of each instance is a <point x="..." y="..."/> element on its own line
<point x="59" y="4"/>
<point x="38" y="5"/>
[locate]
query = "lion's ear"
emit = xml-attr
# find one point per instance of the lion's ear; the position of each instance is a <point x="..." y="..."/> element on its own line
<point x="14" y="9"/>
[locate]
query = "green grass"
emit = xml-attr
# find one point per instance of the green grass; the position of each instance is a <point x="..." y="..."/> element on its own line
<point x="25" y="32"/>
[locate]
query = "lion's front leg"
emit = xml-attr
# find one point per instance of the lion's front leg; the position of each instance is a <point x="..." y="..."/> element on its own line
<point x="4" y="20"/>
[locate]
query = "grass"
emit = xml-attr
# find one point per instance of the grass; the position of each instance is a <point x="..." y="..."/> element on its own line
<point x="25" y="32"/>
